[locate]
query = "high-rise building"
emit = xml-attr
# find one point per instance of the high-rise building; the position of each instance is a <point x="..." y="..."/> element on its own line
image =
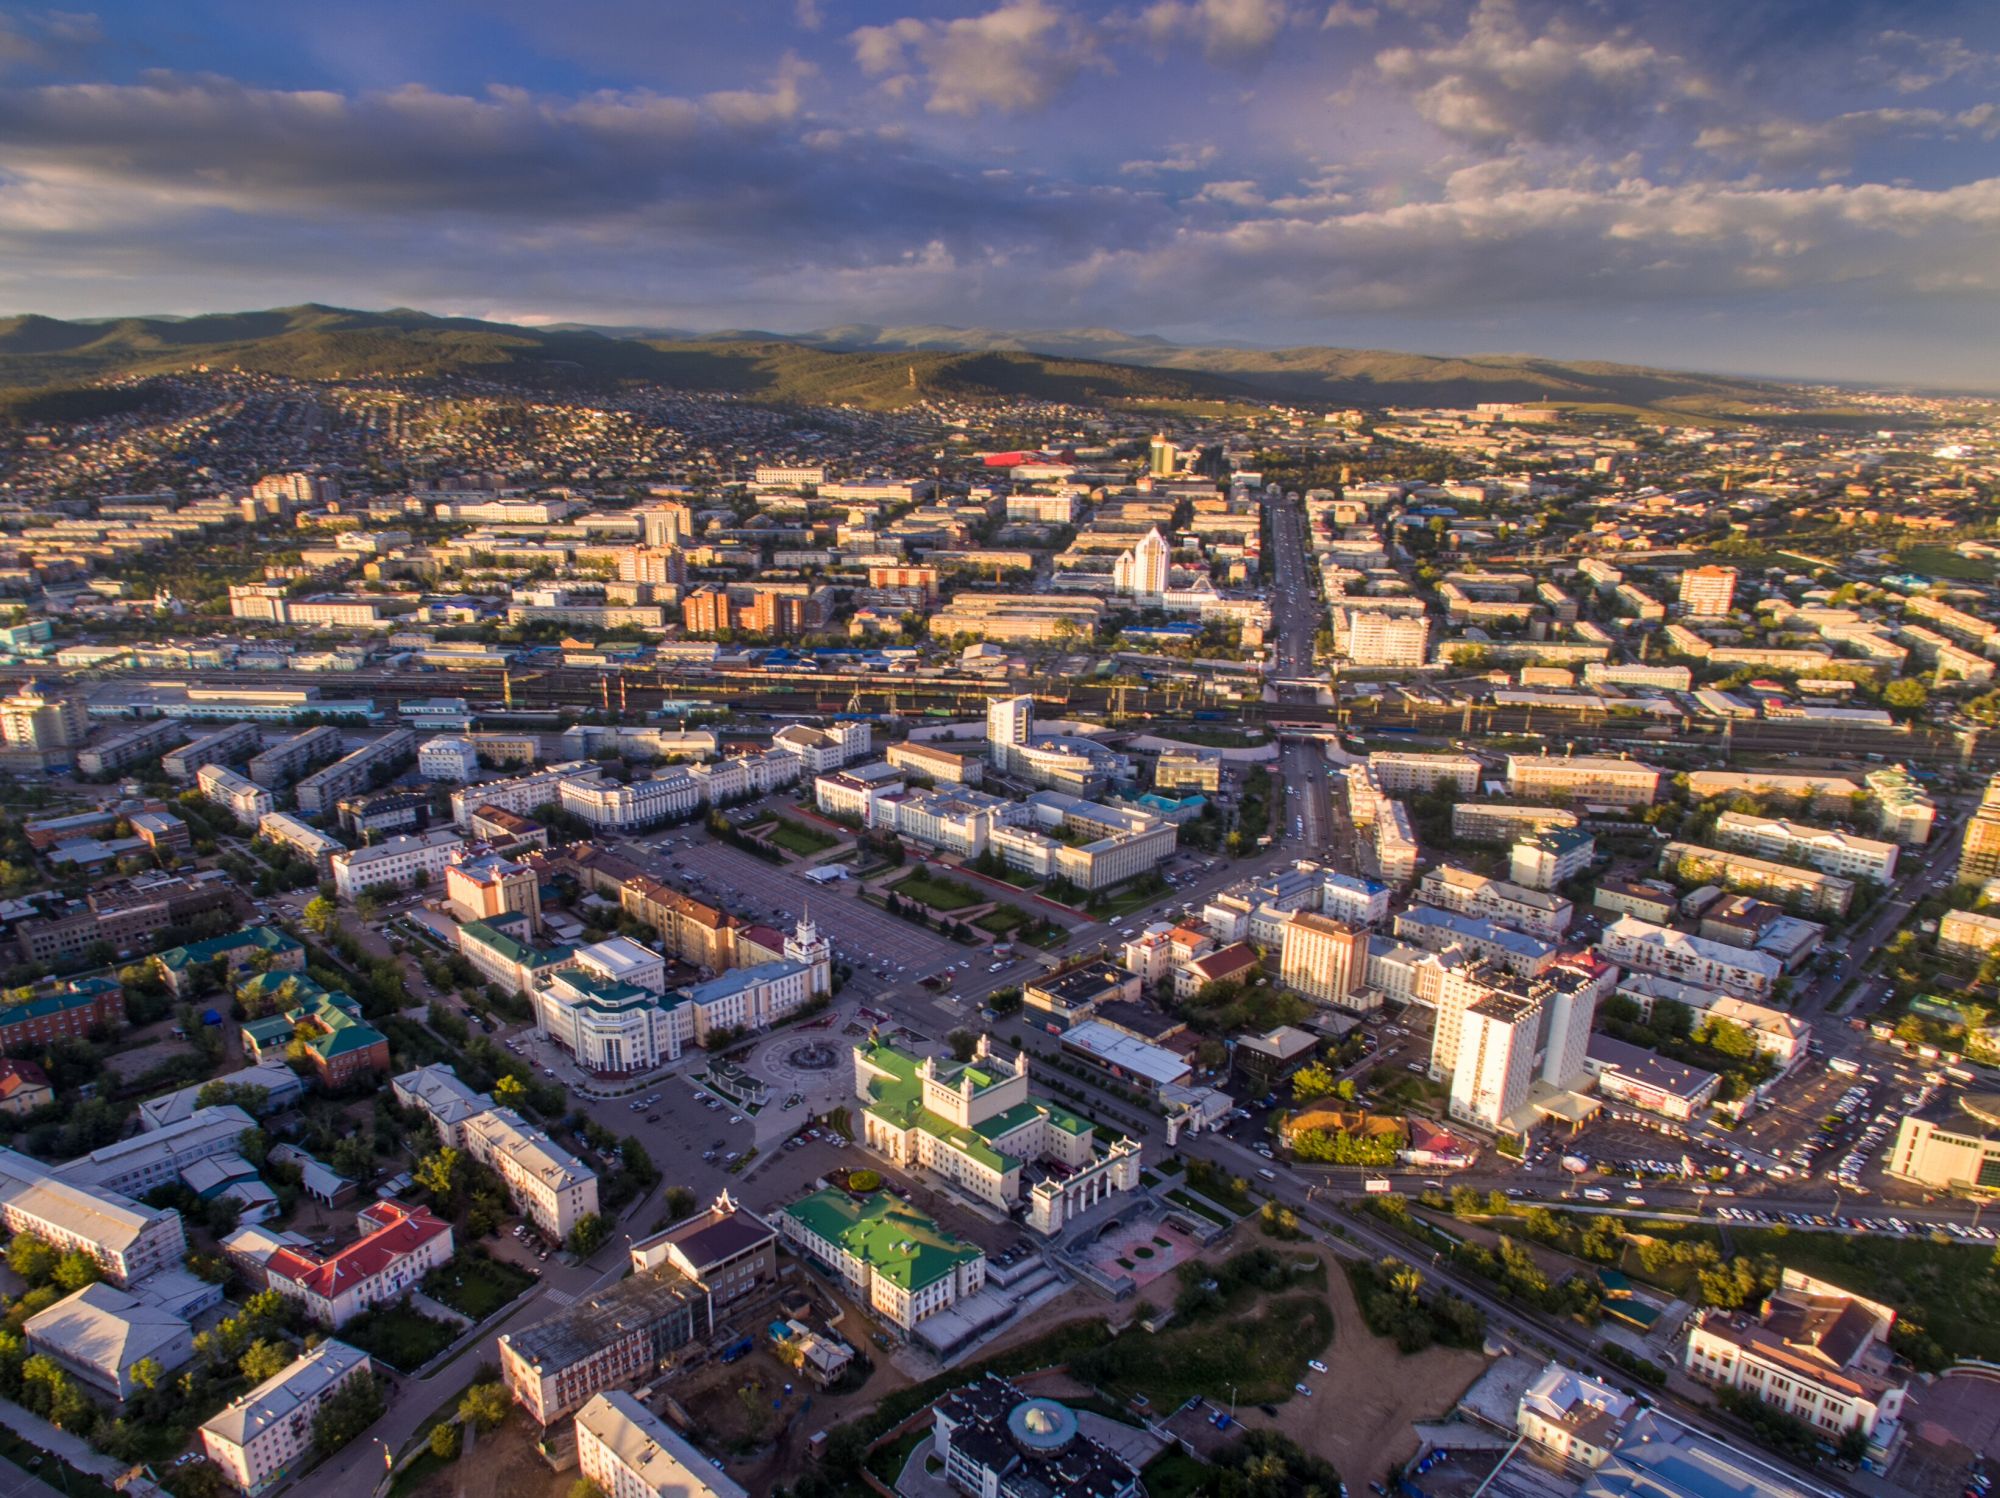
<point x="1161" y="456"/>
<point x="1979" y="854"/>
<point x="1372" y="638"/>
<point x="478" y="889"/>
<point x="665" y="524"/>
<point x="707" y="611"/>
<point x="1322" y="958"/>
<point x="1708" y="592"/>
<point x="653" y="564"/>
<point x="1496" y="1059"/>
<point x="1142" y="571"/>
<point x="1009" y="722"/>
<point x="42" y="717"/>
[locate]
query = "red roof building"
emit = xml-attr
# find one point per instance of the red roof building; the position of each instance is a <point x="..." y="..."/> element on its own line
<point x="399" y="1247"/>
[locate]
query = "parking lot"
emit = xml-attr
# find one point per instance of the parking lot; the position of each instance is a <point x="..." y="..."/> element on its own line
<point x="863" y="936"/>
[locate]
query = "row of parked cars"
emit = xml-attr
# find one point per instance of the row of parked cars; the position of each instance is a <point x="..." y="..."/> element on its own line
<point x="1893" y="1226"/>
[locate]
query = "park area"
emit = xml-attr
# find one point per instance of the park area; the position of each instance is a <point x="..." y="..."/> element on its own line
<point x="936" y="891"/>
<point x="476" y="1284"/>
<point x="398" y="1335"/>
<point x="797" y="837"/>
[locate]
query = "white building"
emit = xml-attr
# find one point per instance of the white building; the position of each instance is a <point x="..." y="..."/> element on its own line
<point x="1323" y="958"/>
<point x="609" y="806"/>
<point x="128" y="1240"/>
<point x="302" y="838"/>
<point x="1354" y="899"/>
<point x="1403" y="774"/>
<point x="1578" y="1418"/>
<point x="612" y="1028"/>
<point x="449" y="758"/>
<point x="1372" y="638"/>
<point x="263" y="1436"/>
<point x="100" y="1332"/>
<point x="398" y="1247"/>
<point x="1583" y="777"/>
<point x="401" y="863"/>
<point x="550" y="1185"/>
<point x="619" y="959"/>
<point x="1690" y="959"/>
<point x="1822" y="848"/>
<point x="630" y="1452"/>
<point x="1142" y="571"/>
<point x="243" y="799"/>
<point x="1708" y="592"/>
<point x="1496" y="1059"/>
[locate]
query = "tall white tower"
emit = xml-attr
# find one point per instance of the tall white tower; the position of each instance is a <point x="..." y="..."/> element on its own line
<point x="807" y="947"/>
<point x="1142" y="571"/>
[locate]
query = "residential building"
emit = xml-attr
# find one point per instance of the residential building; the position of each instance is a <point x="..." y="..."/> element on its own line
<point x="1534" y="911"/>
<point x="630" y="1452"/>
<point x="1354" y="899"/>
<point x="1961" y="933"/>
<point x="1323" y="958"/>
<point x="1142" y="571"/>
<point x="1649" y="899"/>
<point x="448" y="758"/>
<point x="436" y="1091"/>
<point x="974" y="1125"/>
<point x="1831" y="852"/>
<point x="1549" y="859"/>
<point x="1707" y="592"/>
<point x="24" y="1087"/>
<point x="71" y="1011"/>
<point x="887" y="1254"/>
<point x="1814" y="1352"/>
<point x="135" y="1166"/>
<point x="1496" y="1059"/>
<point x="940" y="765"/>
<point x="224" y="746"/>
<point x="243" y="799"/>
<point x="488" y="885"/>
<point x="1979" y="850"/>
<point x="40" y="716"/>
<point x="1505" y="821"/>
<point x="1369" y="637"/>
<point x="1690" y="959"/>
<point x="399" y="864"/>
<point x="1582" y="778"/>
<point x="1403" y="774"/>
<point x="260" y="1438"/>
<point x="550" y="1186"/>
<point x="1804" y="889"/>
<point x="996" y="1442"/>
<point x="302" y="838"/>
<point x="100" y="1332"/>
<point x="322" y="790"/>
<point x="399" y="1246"/>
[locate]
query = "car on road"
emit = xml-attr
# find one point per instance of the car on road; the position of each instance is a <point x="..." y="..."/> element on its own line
<point x="1316" y="1365"/>
<point x="736" y="1118"/>
<point x="1302" y="1389"/>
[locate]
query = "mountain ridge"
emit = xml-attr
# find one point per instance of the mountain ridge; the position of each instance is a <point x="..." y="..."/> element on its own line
<point x="857" y="363"/>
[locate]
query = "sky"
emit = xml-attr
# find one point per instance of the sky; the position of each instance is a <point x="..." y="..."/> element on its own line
<point x="1785" y="187"/>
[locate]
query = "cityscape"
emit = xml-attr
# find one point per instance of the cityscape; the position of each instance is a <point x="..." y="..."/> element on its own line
<point x="696" y="864"/>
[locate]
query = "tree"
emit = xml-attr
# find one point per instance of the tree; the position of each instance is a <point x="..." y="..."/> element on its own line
<point x="264" y="1359"/>
<point x="681" y="1201"/>
<point x="343" y="1417"/>
<point x="1906" y="694"/>
<point x="445" y="1441"/>
<point x="484" y="1405"/>
<point x="583" y="1487"/>
<point x="76" y="1269"/>
<point x="588" y="1235"/>
<point x="441" y="1172"/>
<point x="510" y="1091"/>
<point x="321" y="916"/>
<point x="147" y="1373"/>
<point x="964" y="1044"/>
<point x="32" y="1259"/>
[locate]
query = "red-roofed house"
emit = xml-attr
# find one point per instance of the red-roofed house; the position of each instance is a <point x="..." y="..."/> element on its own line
<point x="24" y="1087"/>
<point x="1237" y="960"/>
<point x="399" y="1247"/>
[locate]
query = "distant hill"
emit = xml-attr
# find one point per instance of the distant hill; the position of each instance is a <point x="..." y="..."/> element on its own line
<point x="313" y="342"/>
<point x="876" y="367"/>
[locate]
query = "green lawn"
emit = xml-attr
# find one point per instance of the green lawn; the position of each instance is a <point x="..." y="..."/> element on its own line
<point x="1261" y="1354"/>
<point x="399" y="1336"/>
<point x="1942" y="561"/>
<point x="1127" y="902"/>
<point x="796" y="837"/>
<point x="1946" y="1292"/>
<point x="1200" y="1209"/>
<point x="932" y="893"/>
<point x="476" y="1285"/>
<point x="1002" y="920"/>
<point x="1175" y="1474"/>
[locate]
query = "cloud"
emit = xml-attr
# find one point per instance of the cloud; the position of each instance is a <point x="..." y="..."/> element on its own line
<point x="808" y="14"/>
<point x="1783" y="144"/>
<point x="779" y="103"/>
<point x="1346" y="13"/>
<point x="1017" y="57"/>
<point x="46" y="38"/>
<point x="1227" y="30"/>
<point x="1501" y="84"/>
<point x="1912" y="64"/>
<point x="1237" y="194"/>
<point x="1180" y="159"/>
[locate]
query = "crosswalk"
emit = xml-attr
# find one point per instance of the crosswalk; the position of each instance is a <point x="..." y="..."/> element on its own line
<point x="559" y="1297"/>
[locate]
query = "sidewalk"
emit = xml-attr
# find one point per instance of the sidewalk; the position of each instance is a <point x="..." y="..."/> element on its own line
<point x="72" y="1449"/>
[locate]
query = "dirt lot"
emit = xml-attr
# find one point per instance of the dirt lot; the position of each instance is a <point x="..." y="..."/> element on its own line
<point x="501" y="1464"/>
<point x="1360" y="1412"/>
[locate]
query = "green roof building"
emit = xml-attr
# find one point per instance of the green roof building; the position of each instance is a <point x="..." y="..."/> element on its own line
<point x="890" y="1256"/>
